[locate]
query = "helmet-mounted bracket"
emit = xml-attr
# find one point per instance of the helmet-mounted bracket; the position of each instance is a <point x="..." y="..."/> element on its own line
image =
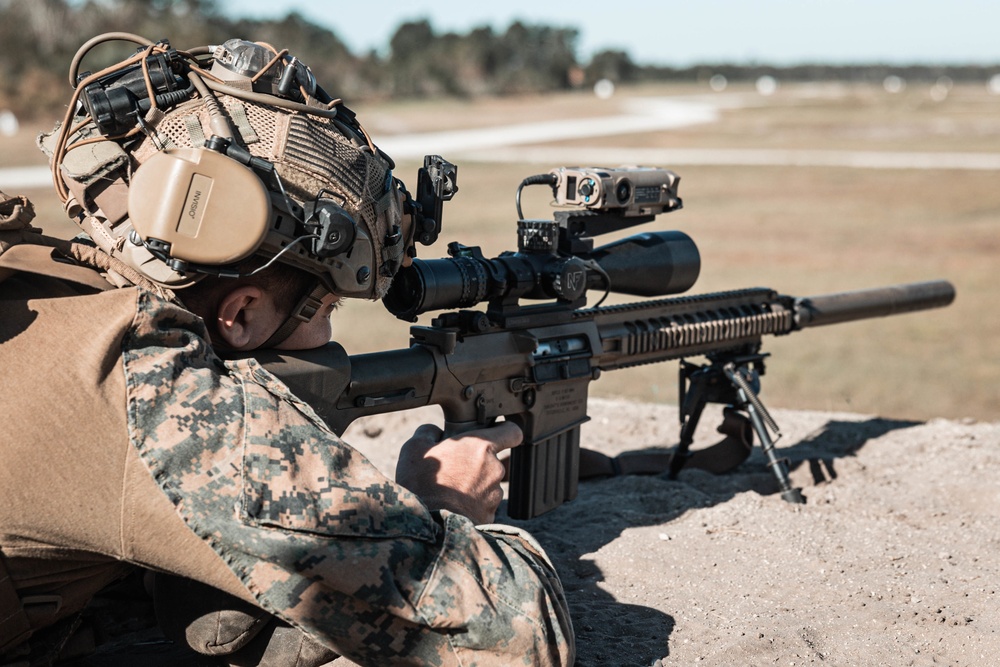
<point x="334" y="227"/>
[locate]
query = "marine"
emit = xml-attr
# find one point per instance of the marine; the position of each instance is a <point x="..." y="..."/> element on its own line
<point x="141" y="433"/>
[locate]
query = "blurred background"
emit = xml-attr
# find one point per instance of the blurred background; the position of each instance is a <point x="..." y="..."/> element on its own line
<point x="822" y="146"/>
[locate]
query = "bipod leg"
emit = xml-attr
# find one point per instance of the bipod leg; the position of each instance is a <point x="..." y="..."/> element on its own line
<point x="699" y="385"/>
<point x="761" y="420"/>
<point x="693" y="396"/>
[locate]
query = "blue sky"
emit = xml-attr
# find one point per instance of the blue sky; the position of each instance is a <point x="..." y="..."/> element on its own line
<point x="671" y="32"/>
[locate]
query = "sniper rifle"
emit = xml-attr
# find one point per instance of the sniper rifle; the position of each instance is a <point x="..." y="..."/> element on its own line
<point x="533" y="363"/>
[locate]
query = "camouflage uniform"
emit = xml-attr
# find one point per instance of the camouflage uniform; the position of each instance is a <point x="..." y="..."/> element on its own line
<point x="311" y="530"/>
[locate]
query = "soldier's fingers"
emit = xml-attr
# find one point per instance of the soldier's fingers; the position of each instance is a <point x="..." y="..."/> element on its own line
<point x="427" y="434"/>
<point x="496" y="496"/>
<point x="505" y="435"/>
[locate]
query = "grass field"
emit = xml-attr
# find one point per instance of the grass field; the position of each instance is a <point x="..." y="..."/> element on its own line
<point x="800" y="230"/>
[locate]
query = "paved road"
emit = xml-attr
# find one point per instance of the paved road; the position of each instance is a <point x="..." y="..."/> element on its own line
<point x="518" y="143"/>
<point x="514" y="143"/>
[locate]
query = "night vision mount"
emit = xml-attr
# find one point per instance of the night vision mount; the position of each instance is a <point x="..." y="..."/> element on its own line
<point x="605" y="200"/>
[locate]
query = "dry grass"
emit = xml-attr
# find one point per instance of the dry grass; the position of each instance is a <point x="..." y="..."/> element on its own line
<point x="835" y="117"/>
<point x="804" y="230"/>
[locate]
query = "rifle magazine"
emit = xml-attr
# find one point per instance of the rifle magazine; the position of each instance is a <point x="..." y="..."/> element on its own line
<point x="544" y="475"/>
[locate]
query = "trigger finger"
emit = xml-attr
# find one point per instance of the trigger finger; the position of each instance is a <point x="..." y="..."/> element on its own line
<point x="505" y="435"/>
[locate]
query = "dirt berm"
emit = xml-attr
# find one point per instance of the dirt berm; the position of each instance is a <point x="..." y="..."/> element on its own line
<point x="893" y="560"/>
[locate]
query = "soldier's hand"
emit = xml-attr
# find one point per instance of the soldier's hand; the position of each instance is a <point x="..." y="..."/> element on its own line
<point x="460" y="474"/>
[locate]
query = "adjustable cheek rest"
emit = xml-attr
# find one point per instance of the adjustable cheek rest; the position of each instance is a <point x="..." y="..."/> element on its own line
<point x="199" y="206"/>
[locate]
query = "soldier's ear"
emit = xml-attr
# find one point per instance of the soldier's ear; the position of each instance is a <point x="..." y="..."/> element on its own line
<point x="242" y="317"/>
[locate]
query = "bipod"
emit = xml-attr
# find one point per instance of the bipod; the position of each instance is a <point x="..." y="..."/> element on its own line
<point x="731" y="379"/>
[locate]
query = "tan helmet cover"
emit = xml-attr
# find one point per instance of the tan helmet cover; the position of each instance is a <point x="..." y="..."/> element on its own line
<point x="111" y="181"/>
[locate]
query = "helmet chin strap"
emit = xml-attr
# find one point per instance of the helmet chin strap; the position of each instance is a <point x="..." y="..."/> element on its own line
<point x="304" y="311"/>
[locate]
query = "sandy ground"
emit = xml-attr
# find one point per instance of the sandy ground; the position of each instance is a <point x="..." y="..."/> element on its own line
<point x="893" y="560"/>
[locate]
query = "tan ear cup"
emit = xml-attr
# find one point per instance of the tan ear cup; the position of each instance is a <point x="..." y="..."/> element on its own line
<point x="199" y="206"/>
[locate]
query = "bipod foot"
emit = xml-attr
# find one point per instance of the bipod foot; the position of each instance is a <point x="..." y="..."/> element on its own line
<point x="747" y="382"/>
<point x="793" y="495"/>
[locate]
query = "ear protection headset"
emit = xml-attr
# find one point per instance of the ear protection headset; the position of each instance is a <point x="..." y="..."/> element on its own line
<point x="195" y="206"/>
<point x="198" y="209"/>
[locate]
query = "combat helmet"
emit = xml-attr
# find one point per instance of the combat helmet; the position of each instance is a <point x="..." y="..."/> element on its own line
<point x="184" y="164"/>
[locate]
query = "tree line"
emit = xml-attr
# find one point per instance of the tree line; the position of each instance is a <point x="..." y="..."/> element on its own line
<point x="39" y="37"/>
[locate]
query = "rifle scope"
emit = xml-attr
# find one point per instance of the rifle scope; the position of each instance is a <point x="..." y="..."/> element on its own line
<point x="647" y="264"/>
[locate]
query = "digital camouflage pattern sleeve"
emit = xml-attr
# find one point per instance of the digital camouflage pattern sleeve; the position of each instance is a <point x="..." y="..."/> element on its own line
<point x="314" y="531"/>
